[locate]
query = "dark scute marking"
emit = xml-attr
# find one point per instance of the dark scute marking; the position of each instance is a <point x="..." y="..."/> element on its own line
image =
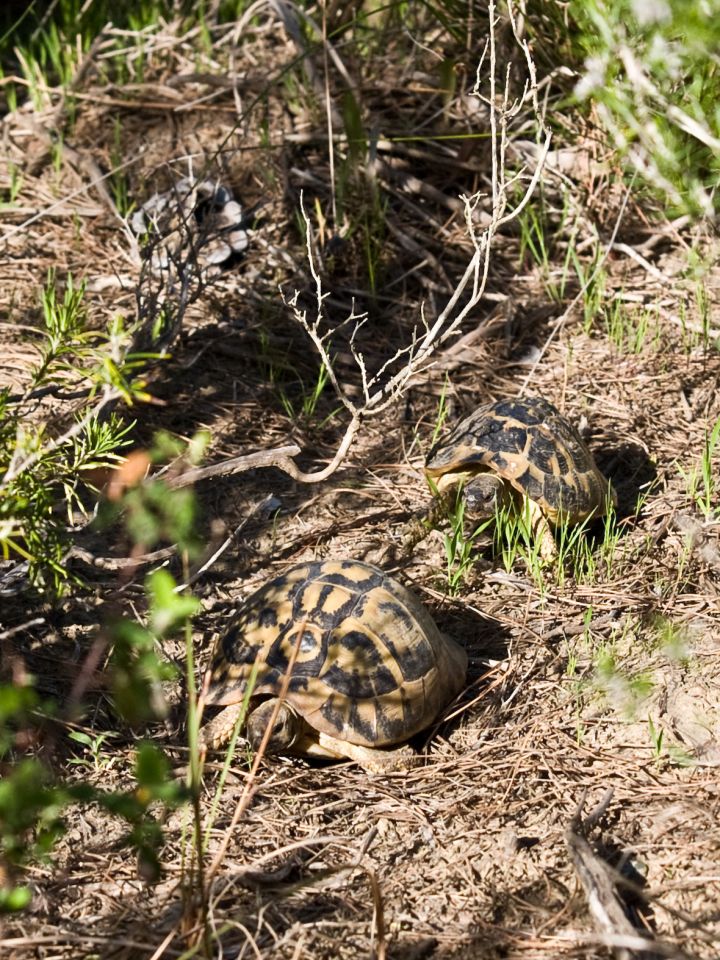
<point x="330" y="587"/>
<point x="389" y="728"/>
<point x="553" y="492"/>
<point x="362" y="647"/>
<point x="576" y="447"/>
<point x="234" y="649"/>
<point x="299" y="681"/>
<point x="415" y="660"/>
<point x="351" y="724"/>
<point x="561" y="494"/>
<point x="314" y="568"/>
<point x="531" y="485"/>
<point x="541" y="453"/>
<point x="372" y="579"/>
<point x="468" y="433"/>
<point x="358" y="724"/>
<point x="324" y="619"/>
<point x="512" y="440"/>
<point x="477" y="425"/>
<point x="393" y="610"/>
<point x="367" y="677"/>
<point x="332" y="714"/>
<point x="563" y="462"/>
<point x="267" y="617"/>
<point x="325" y="592"/>
<point x="531" y="411"/>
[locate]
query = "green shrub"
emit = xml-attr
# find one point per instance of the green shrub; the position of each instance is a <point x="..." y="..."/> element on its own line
<point x="651" y="69"/>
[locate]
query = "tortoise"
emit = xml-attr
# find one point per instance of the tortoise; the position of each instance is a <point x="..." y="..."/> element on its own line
<point x="520" y="450"/>
<point x="369" y="666"/>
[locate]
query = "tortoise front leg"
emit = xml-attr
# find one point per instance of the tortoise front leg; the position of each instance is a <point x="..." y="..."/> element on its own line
<point x="419" y="526"/>
<point x="218" y="731"/>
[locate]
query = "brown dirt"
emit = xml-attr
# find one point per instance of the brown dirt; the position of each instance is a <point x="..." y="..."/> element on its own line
<point x="569" y="685"/>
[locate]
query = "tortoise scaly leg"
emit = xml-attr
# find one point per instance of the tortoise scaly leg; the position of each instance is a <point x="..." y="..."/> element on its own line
<point x="421" y="524"/>
<point x="218" y="731"/>
<point x="541" y="531"/>
<point x="375" y="761"/>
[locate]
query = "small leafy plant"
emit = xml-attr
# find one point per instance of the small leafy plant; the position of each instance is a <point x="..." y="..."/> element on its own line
<point x="623" y="691"/>
<point x="46" y="468"/>
<point x="514" y="537"/>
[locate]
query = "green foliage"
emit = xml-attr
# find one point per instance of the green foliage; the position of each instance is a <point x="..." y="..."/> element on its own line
<point x="9" y="195"/>
<point x="535" y="242"/>
<point x="31" y="525"/>
<point x="303" y="402"/>
<point x="582" y="554"/>
<point x="138" y="668"/>
<point x="701" y="478"/>
<point x="30" y="815"/>
<point x="154" y="514"/>
<point x="672" y="640"/>
<point x="32" y="802"/>
<point x="575" y="553"/>
<point x="49" y="40"/>
<point x="592" y="278"/>
<point x="151" y="511"/>
<point x="154" y="783"/>
<point x="299" y="397"/>
<point x="45" y="486"/>
<point x="32" y="806"/>
<point x="45" y="468"/>
<point x="459" y="548"/>
<point x="630" y="328"/>
<point x="665" y="753"/>
<point x="442" y="412"/>
<point x="651" y="69"/>
<point x="118" y="179"/>
<point x="93" y="747"/>
<point x="543" y="233"/>
<point x="514" y="537"/>
<point x="623" y="691"/>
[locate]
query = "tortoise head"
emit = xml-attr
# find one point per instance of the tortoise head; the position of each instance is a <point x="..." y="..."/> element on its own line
<point x="483" y="493"/>
<point x="286" y="727"/>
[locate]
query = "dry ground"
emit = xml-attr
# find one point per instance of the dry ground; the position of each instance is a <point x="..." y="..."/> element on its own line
<point x="571" y="684"/>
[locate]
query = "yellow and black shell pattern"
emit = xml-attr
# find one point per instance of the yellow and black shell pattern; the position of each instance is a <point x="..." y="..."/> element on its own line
<point x="535" y="449"/>
<point x="371" y="666"/>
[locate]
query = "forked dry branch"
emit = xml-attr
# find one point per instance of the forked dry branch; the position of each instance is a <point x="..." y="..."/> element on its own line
<point x="386" y="384"/>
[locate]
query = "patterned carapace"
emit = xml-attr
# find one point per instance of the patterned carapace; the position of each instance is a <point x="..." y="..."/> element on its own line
<point x="529" y="444"/>
<point x="371" y="666"/>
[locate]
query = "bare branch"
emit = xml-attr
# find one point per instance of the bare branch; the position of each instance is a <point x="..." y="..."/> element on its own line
<point x="279" y="457"/>
<point x="385" y="385"/>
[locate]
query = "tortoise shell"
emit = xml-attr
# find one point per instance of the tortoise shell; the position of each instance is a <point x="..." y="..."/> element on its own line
<point x="528" y="443"/>
<point x="371" y="666"/>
